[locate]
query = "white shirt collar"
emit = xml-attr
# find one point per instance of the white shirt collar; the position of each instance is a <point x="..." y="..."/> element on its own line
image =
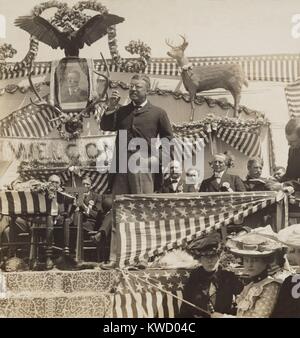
<point x="219" y="175"/>
<point x="142" y="104"/>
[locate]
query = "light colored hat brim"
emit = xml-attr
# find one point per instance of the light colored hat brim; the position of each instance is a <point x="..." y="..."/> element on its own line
<point x="290" y="236"/>
<point x="252" y="253"/>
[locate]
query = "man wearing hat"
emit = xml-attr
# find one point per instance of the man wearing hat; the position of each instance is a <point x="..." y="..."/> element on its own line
<point x="210" y="287"/>
<point x="220" y="180"/>
<point x="288" y="303"/>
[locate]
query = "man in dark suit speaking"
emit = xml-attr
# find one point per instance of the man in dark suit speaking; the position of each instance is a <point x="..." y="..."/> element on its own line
<point x="142" y="121"/>
<point x="71" y="91"/>
<point x="135" y="123"/>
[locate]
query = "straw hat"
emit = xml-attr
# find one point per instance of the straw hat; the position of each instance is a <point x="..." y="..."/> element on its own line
<point x="290" y="236"/>
<point x="260" y="242"/>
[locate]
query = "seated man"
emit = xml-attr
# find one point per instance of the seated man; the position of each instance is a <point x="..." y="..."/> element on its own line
<point x="191" y="181"/>
<point x="220" y="180"/>
<point x="105" y="220"/>
<point x="279" y="173"/>
<point x="254" y="181"/>
<point x="173" y="181"/>
<point x="91" y="206"/>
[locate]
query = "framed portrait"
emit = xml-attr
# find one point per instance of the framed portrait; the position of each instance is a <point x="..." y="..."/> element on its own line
<point x="72" y="84"/>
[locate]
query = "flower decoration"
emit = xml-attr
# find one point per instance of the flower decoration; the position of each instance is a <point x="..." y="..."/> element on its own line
<point x="47" y="188"/>
<point x="6" y="51"/>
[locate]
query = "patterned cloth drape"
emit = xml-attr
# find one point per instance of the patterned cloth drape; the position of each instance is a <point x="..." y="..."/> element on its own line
<point x="149" y="294"/>
<point x="148" y="225"/>
<point x="292" y="93"/>
<point x="244" y="139"/>
<point x="29" y="121"/>
<point x="32" y="203"/>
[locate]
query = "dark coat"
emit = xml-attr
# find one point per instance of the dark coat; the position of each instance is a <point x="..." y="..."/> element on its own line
<point x="148" y="122"/>
<point x="78" y="96"/>
<point x="90" y="219"/>
<point x="167" y="186"/>
<point x="253" y="184"/>
<point x="196" y="292"/>
<point x="292" y="174"/>
<point x="211" y="185"/>
<point x="287" y="306"/>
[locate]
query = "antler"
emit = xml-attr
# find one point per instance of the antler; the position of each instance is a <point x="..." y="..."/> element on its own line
<point x="182" y="46"/>
<point x="184" y="39"/>
<point x="44" y="104"/>
<point x="168" y="43"/>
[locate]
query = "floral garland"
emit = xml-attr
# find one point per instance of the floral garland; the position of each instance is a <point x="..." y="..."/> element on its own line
<point x="6" y="51"/>
<point x="70" y="129"/>
<point x="39" y="9"/>
<point x="36" y="165"/>
<point x="13" y="88"/>
<point x="134" y="47"/>
<point x="46" y="188"/>
<point x="212" y="122"/>
<point x="199" y="100"/>
<point x="25" y="63"/>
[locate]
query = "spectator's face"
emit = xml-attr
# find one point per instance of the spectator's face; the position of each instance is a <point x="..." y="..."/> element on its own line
<point x="293" y="140"/>
<point x="175" y="171"/>
<point x="86" y="185"/>
<point x="279" y="174"/>
<point x="253" y="266"/>
<point x="210" y="263"/>
<point x="192" y="177"/>
<point x="138" y="91"/>
<point x="218" y="166"/>
<point x="255" y="170"/>
<point x="73" y="80"/>
<point x="294" y="256"/>
<point x="55" y="181"/>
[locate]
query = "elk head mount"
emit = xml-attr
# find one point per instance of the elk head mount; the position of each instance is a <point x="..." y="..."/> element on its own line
<point x="197" y="79"/>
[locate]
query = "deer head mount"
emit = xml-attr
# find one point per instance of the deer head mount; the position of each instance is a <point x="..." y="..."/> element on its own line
<point x="200" y="78"/>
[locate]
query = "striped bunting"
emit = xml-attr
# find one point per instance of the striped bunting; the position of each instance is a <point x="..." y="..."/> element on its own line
<point x="281" y="67"/>
<point x="141" y="295"/>
<point x="149" y="225"/>
<point x="292" y="93"/>
<point x="246" y="142"/>
<point x="29" y="121"/>
<point x="99" y="180"/>
<point x="26" y="203"/>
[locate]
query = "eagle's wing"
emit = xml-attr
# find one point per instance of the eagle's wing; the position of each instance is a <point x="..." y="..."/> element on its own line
<point x="96" y="28"/>
<point x="42" y="30"/>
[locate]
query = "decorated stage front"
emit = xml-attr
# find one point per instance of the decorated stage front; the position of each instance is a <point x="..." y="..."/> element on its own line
<point x="91" y="294"/>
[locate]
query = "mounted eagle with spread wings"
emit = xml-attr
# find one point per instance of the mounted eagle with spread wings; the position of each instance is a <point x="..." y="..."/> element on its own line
<point x="93" y="30"/>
